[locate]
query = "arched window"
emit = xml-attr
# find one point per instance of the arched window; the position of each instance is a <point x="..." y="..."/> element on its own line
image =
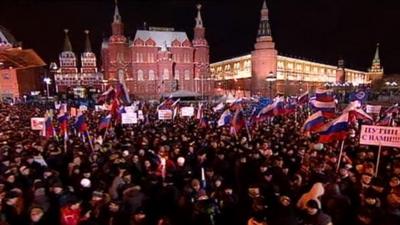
<point x="140" y="75"/>
<point x="176" y="75"/>
<point x="151" y="75"/>
<point x="187" y="75"/>
<point x="165" y="74"/>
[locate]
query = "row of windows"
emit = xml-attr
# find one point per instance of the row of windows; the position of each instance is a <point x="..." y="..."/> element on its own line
<point x="151" y="57"/>
<point x="165" y="75"/>
<point x="236" y="66"/>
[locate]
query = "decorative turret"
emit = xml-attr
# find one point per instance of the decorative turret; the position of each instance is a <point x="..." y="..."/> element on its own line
<point x="88" y="58"/>
<point x="117" y="25"/>
<point x="264" y="29"/>
<point x="376" y="70"/>
<point x="67" y="42"/>
<point x="88" y="46"/>
<point x="264" y="58"/>
<point x="67" y="57"/>
<point x="199" y="30"/>
<point x="201" y="56"/>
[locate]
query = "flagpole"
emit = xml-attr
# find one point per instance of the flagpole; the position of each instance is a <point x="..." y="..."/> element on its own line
<point x="378" y="160"/>
<point x="340" y="157"/>
<point x="65" y="141"/>
<point x="90" y="140"/>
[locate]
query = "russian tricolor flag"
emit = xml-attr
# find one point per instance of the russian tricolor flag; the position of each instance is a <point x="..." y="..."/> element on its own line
<point x="335" y="130"/>
<point x="313" y="122"/>
<point x="80" y="123"/>
<point x="105" y="122"/>
<point x="49" y="129"/>
<point x="327" y="108"/>
<point x="225" y="118"/>
<point x="324" y="95"/>
<point x="63" y="123"/>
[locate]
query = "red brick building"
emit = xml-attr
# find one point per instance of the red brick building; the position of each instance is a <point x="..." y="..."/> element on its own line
<point x="157" y="60"/>
<point x="21" y="70"/>
<point x="70" y="76"/>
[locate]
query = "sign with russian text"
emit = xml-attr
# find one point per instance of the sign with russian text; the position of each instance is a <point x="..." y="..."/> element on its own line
<point x="129" y="118"/>
<point x="165" y="114"/>
<point x="187" y="111"/>
<point x="37" y="123"/>
<point x="379" y="135"/>
<point x="374" y="109"/>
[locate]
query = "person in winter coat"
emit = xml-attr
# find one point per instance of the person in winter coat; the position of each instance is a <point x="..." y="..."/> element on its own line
<point x="37" y="216"/>
<point x="336" y="204"/>
<point x="71" y="212"/>
<point x="315" y="216"/>
<point x="14" y="208"/>
<point x="315" y="193"/>
<point x="284" y="212"/>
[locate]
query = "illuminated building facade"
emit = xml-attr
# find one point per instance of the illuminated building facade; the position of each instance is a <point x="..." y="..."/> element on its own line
<point x="68" y="77"/>
<point x="246" y="75"/>
<point x="157" y="60"/>
<point x="21" y="70"/>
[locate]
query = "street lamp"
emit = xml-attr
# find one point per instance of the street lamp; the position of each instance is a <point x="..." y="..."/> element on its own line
<point x="390" y="86"/>
<point x="47" y="80"/>
<point x="271" y="77"/>
<point x="53" y="69"/>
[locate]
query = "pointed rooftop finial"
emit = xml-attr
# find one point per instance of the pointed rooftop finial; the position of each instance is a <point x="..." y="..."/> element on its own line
<point x="88" y="46"/>
<point x="265" y="5"/>
<point x="199" y="21"/>
<point x="117" y="17"/>
<point x="67" y="42"/>
<point x="264" y="28"/>
<point x="164" y="47"/>
<point x="376" y="58"/>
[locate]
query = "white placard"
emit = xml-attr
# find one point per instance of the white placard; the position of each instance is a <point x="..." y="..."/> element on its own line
<point x="130" y="109"/>
<point x="187" y="111"/>
<point x="140" y="115"/>
<point x="374" y="109"/>
<point x="165" y="114"/>
<point x="37" y="123"/>
<point x="380" y="135"/>
<point x="99" y="108"/>
<point x="129" y="118"/>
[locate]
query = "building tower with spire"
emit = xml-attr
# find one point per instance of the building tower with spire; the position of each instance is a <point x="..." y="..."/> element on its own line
<point x="88" y="58"/>
<point x="69" y="78"/>
<point x="115" y="51"/>
<point x="264" y="57"/>
<point x="376" y="70"/>
<point x="67" y="57"/>
<point x="201" y="56"/>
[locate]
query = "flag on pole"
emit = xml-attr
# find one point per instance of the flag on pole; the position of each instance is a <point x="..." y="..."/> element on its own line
<point x="105" y="122"/>
<point x="49" y="129"/>
<point x="313" y="122"/>
<point x="335" y="130"/>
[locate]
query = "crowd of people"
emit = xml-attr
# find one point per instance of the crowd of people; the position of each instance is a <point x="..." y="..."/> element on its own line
<point x="177" y="172"/>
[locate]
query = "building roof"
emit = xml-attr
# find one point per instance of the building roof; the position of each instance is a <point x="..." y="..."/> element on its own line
<point x="20" y="58"/>
<point x="161" y="38"/>
<point x="6" y="37"/>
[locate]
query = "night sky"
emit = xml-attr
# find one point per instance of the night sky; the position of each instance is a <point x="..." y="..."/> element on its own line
<point x="317" y="30"/>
